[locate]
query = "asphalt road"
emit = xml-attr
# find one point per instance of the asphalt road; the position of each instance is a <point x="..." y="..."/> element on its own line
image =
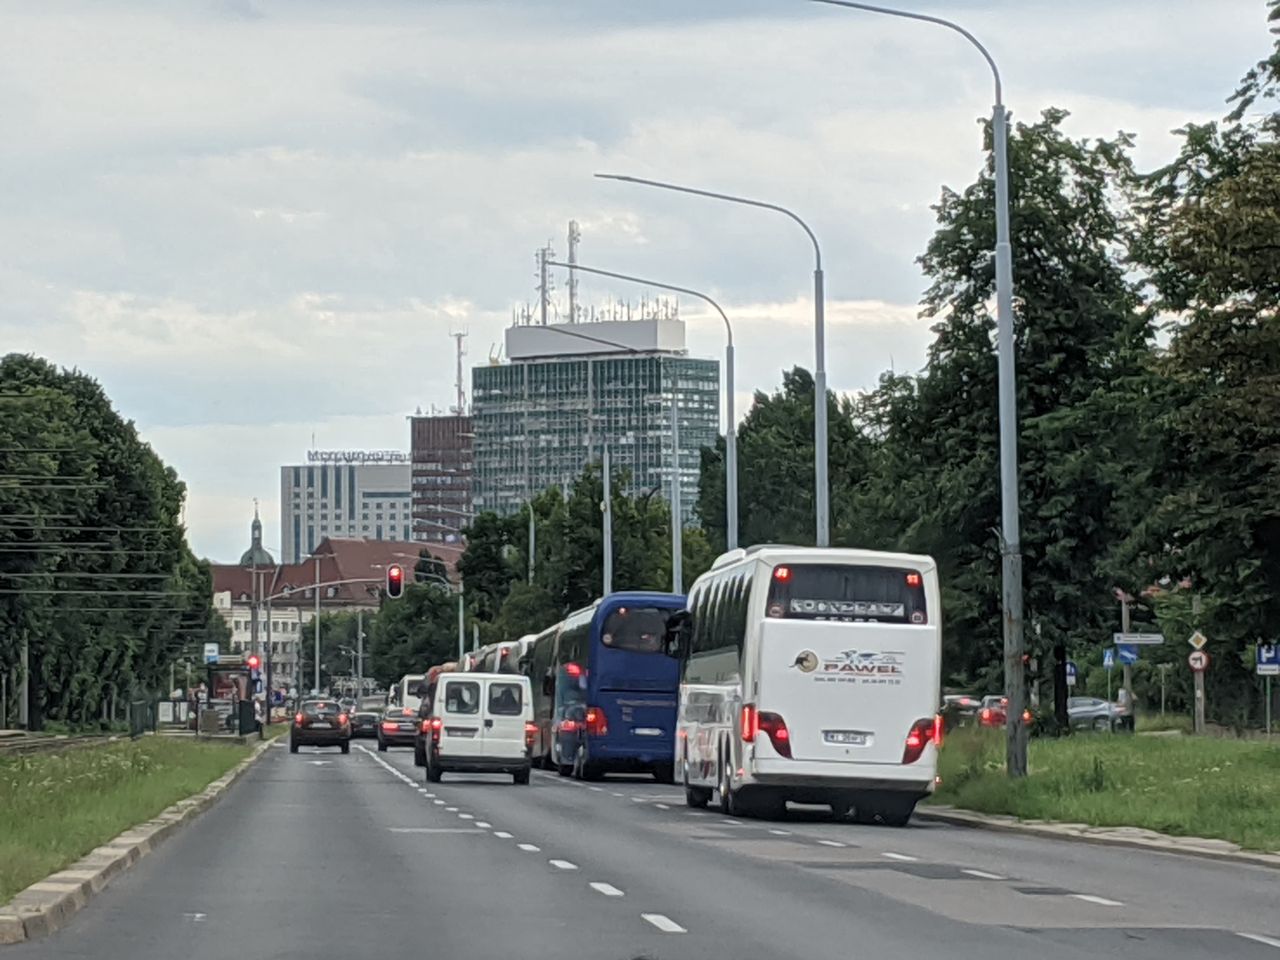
<point x="323" y="856"/>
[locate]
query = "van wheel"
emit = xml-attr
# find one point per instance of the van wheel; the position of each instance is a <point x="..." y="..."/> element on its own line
<point x="419" y="756"/>
<point x="696" y="797"/>
<point x="729" y="805"/>
<point x="433" y="772"/>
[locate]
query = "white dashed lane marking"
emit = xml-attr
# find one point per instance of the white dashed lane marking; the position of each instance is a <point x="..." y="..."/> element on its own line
<point x="502" y="834"/>
<point x="983" y="875"/>
<point x="438" y="803"/>
<point x="597" y="789"/>
<point x="563" y="865"/>
<point x="482" y="823"/>
<point x="466" y="816"/>
<point x="662" y="806"/>
<point x="451" y="809"/>
<point x="781" y="833"/>
<point x="1100" y="901"/>
<point x="664" y="923"/>
<point x="899" y="856"/>
<point x="608" y="889"/>
<point x="837" y="843"/>
<point x="528" y="847"/>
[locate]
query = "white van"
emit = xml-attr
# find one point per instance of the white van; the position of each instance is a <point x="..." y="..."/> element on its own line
<point x="810" y="675"/>
<point x="479" y="723"/>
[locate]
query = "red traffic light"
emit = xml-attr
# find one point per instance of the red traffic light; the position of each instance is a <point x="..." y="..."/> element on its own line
<point x="254" y="661"/>
<point x="395" y="581"/>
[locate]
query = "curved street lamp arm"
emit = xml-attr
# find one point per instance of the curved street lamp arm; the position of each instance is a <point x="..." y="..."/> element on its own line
<point x="649" y="283"/>
<point x="817" y="251"/>
<point x="908" y="15"/>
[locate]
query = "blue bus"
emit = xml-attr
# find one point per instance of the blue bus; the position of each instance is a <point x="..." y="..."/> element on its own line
<point x="604" y="689"/>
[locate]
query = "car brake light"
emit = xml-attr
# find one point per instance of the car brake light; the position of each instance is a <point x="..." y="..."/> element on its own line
<point x="1026" y="716"/>
<point x="568" y="726"/>
<point x="299" y="719"/>
<point x="750" y="721"/>
<point x="342" y="720"/>
<point x="389" y="725"/>
<point x="596" y="724"/>
<point x="918" y="737"/>
<point x="425" y="728"/>
<point x="776" y="728"/>
<point x="529" y="730"/>
<point x="986" y="714"/>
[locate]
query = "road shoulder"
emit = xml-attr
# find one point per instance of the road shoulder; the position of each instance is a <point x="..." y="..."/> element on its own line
<point x="1135" y="837"/>
<point x="49" y="904"/>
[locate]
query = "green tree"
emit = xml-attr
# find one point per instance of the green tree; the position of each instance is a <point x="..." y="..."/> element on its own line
<point x="413" y="633"/>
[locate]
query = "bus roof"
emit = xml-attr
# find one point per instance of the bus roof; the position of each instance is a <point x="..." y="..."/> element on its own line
<point x="784" y="553"/>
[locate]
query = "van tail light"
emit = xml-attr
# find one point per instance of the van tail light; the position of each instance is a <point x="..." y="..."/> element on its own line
<point x="299" y="719"/>
<point x="750" y="722"/>
<point x="922" y="732"/>
<point x="436" y="724"/>
<point x="530" y="729"/>
<point x="596" y="725"/>
<point x="776" y="728"/>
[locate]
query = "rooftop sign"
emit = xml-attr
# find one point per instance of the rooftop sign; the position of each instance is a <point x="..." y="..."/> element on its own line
<point x="356" y="456"/>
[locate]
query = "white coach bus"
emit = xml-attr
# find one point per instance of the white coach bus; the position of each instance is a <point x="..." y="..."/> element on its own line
<point x="810" y="675"/>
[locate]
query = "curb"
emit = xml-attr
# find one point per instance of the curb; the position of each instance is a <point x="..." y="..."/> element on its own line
<point x="49" y="904"/>
<point x="1131" y="837"/>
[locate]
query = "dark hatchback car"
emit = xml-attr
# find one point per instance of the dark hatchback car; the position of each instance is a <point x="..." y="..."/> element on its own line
<point x="320" y="723"/>
<point x="399" y="728"/>
<point x="364" y="723"/>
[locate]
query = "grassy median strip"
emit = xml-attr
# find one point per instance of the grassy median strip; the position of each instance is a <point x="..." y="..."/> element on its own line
<point x="1186" y="786"/>
<point x="56" y="807"/>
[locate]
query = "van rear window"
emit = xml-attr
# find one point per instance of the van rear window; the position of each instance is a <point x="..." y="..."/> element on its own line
<point x="846" y="592"/>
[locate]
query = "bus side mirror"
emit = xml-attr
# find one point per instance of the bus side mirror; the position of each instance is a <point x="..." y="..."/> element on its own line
<point x="679" y="627"/>
<point x="549" y="682"/>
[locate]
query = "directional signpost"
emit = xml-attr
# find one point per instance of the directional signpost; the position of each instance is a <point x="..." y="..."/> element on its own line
<point x="210" y="653"/>
<point x="1268" y="666"/>
<point x="1108" y="664"/>
<point x="1141" y="639"/>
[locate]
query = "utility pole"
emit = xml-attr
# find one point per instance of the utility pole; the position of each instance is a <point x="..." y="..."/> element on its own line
<point x="24" y="683"/>
<point x="317" y="622"/>
<point x="533" y="535"/>
<point x="359" y="652"/>
<point x="574" y="236"/>
<point x="462" y="630"/>
<point x="1127" y="669"/>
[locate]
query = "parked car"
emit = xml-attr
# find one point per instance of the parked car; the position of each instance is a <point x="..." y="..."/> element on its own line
<point x="1093" y="713"/>
<point x="994" y="711"/>
<point x="480" y="723"/>
<point x="398" y="727"/>
<point x="364" y="723"/>
<point x="960" y="710"/>
<point x="320" y="723"/>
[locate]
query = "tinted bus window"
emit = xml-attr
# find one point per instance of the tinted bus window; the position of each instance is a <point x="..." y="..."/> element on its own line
<point x="637" y="629"/>
<point x="846" y="592"/>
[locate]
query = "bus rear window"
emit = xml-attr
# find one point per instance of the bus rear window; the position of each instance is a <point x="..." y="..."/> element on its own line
<point x="846" y="592"/>
<point x="637" y="629"/>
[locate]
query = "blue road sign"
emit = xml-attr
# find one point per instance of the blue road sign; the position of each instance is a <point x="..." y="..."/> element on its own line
<point x="1108" y="658"/>
<point x="1071" y="673"/>
<point x="1127" y="652"/>
<point x="1268" y="660"/>
<point x="277" y="697"/>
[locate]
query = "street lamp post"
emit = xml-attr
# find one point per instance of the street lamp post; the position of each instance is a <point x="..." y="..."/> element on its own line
<point x="821" y="496"/>
<point x="731" y="430"/>
<point x="1010" y="536"/>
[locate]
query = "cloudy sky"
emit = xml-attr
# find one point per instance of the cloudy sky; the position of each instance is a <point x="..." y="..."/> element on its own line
<point x="256" y="221"/>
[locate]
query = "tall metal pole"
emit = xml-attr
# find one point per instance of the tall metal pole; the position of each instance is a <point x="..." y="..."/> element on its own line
<point x="821" y="497"/>
<point x="462" y="630"/>
<point x="606" y="507"/>
<point x="677" y="521"/>
<point x="317" y="630"/>
<point x="359" y="652"/>
<point x="533" y="539"/>
<point x="1010" y="535"/>
<point x="266" y="686"/>
<point x="731" y="441"/>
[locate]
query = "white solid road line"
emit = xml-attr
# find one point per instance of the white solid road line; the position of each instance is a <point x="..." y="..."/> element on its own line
<point x="983" y="875"/>
<point x="898" y="856"/>
<point x="1259" y="938"/>
<point x="831" y="843"/>
<point x="664" y="923"/>
<point x="563" y="864"/>
<point x="528" y="847"/>
<point x="608" y="889"/>
<point x="502" y="834"/>
<point x="1100" y="901"/>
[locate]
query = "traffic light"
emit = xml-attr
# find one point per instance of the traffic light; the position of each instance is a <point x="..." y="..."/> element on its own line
<point x="395" y="581"/>
<point x="254" y="661"/>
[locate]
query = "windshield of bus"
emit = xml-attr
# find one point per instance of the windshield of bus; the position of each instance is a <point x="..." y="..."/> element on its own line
<point x="636" y="629"/>
<point x="847" y="593"/>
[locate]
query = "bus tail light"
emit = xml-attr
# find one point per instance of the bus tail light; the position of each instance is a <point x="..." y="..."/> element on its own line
<point x="595" y="723"/>
<point x="750" y="723"/>
<point x="776" y="728"/>
<point x="921" y="734"/>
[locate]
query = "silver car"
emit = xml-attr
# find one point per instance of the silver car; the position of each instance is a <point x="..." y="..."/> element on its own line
<point x="1092" y="713"/>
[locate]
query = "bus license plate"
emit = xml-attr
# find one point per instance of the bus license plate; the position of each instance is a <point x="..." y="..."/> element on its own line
<point x="647" y="732"/>
<point x="854" y="738"/>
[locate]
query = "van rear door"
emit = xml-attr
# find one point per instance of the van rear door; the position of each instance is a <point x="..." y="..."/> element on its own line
<point x="505" y="709"/>
<point x="848" y="659"/>
<point x="461" y="730"/>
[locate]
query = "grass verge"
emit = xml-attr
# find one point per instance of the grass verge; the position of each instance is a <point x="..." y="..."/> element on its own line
<point x="1186" y="786"/>
<point x="56" y="807"/>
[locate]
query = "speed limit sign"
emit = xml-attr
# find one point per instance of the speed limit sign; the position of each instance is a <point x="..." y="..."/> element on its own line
<point x="1199" y="660"/>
